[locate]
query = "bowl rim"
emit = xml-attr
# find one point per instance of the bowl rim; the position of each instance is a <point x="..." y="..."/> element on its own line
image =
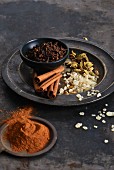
<point x="36" y="62"/>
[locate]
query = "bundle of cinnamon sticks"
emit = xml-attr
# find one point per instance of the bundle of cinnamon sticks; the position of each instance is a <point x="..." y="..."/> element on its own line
<point x="48" y="83"/>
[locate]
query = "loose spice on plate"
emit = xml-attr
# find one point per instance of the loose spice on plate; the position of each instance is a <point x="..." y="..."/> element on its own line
<point x="25" y="134"/>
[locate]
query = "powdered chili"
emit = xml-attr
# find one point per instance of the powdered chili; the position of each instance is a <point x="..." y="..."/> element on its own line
<point x="25" y="134"/>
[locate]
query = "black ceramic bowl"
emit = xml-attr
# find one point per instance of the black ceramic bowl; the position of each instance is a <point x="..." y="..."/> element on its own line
<point x="42" y="67"/>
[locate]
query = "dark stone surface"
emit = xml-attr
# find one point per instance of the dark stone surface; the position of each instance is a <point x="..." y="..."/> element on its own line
<point x="21" y="21"/>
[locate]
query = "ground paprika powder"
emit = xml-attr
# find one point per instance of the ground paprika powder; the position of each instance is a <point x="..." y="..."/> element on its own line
<point x="25" y="134"/>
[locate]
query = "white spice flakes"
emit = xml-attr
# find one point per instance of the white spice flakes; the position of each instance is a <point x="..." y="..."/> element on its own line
<point x="106" y="141"/>
<point x="61" y="91"/>
<point x="112" y="128"/>
<point x="103" y="121"/>
<point x="78" y="125"/>
<point x="79" y="97"/>
<point x="81" y="113"/>
<point x="99" y="95"/>
<point x="98" y="117"/>
<point x="93" y="115"/>
<point x="102" y="115"/>
<point x="99" y="112"/>
<point x="85" y="127"/>
<point x="85" y="38"/>
<point x="95" y="126"/>
<point x="106" y="104"/>
<point x="104" y="110"/>
<point x="110" y="113"/>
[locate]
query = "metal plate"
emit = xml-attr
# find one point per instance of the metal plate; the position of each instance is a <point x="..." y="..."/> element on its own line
<point x="5" y="145"/>
<point x="18" y="76"/>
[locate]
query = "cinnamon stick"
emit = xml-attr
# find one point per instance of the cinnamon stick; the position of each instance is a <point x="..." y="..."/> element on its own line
<point x="55" y="89"/>
<point x="52" y="94"/>
<point x="36" y="86"/>
<point x="45" y="76"/>
<point x="50" y="91"/>
<point x="50" y="81"/>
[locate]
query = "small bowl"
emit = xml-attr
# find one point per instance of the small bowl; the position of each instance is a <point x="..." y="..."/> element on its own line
<point x="42" y="67"/>
<point x="5" y="145"/>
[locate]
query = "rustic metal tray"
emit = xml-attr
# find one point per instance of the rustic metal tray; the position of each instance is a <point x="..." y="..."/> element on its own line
<point x="5" y="145"/>
<point x="18" y="76"/>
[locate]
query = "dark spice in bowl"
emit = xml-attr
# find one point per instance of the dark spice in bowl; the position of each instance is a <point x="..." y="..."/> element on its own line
<point x="46" y="52"/>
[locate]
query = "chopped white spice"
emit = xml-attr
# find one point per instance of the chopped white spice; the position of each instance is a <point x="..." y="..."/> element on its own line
<point x="64" y="75"/>
<point x="104" y="110"/>
<point x="65" y="87"/>
<point x="88" y="93"/>
<point x="61" y="91"/>
<point x="78" y="125"/>
<point x="106" y="104"/>
<point x="85" y="38"/>
<point x="93" y="115"/>
<point x="106" y="141"/>
<point x="70" y="90"/>
<point x="95" y="126"/>
<point x="112" y="126"/>
<point x="103" y="115"/>
<point x="112" y="129"/>
<point x="79" y="97"/>
<point x="81" y="113"/>
<point x="99" y="95"/>
<point x="98" y="117"/>
<point x="85" y="127"/>
<point x="110" y="113"/>
<point x="103" y="121"/>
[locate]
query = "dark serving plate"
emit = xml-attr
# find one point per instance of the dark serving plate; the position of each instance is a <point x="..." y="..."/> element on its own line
<point x="18" y="76"/>
<point x="5" y="145"/>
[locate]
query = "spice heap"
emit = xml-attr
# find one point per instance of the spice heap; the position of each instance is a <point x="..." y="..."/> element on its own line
<point x="24" y="134"/>
<point x="80" y="74"/>
<point x="47" y="84"/>
<point x="46" y="52"/>
<point x="77" y="75"/>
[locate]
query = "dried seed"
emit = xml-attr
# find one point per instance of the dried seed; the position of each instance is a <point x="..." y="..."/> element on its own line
<point x="98" y="117"/>
<point x="103" y="121"/>
<point x="95" y="126"/>
<point x="110" y="113"/>
<point x="85" y="38"/>
<point x="85" y="127"/>
<point x="78" y="125"/>
<point x="93" y="115"/>
<point x="81" y="113"/>
<point x="106" y="141"/>
<point x="99" y="95"/>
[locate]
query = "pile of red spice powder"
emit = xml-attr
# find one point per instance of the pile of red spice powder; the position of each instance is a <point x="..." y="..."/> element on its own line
<point x="25" y="134"/>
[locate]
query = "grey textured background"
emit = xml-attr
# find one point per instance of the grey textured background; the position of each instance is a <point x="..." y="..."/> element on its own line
<point x="23" y="20"/>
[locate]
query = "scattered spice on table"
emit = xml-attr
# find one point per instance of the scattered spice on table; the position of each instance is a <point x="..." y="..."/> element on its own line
<point x="25" y="134"/>
<point x="101" y="116"/>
